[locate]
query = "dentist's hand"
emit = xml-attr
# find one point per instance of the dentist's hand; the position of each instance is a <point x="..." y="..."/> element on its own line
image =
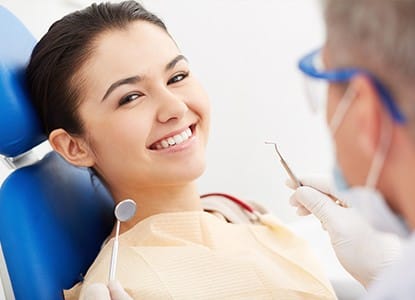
<point x="363" y="251"/>
<point x="99" y="291"/>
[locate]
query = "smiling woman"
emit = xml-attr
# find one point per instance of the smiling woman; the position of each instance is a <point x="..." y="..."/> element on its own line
<point x="146" y="102"/>
<point x="115" y="94"/>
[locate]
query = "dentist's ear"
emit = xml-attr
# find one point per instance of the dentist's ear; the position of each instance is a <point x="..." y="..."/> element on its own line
<point x="368" y="114"/>
<point x="73" y="149"/>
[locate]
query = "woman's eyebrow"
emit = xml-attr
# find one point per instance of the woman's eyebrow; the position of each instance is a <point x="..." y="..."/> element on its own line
<point x="129" y="80"/>
<point x="135" y="79"/>
<point x="174" y="61"/>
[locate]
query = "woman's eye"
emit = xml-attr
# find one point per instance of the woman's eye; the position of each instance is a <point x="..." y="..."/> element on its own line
<point x="129" y="98"/>
<point x="177" y="78"/>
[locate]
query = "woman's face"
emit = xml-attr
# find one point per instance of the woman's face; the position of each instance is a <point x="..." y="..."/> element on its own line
<point x="145" y="116"/>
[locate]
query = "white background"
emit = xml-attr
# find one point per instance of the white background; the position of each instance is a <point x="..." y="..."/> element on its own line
<point x="245" y="52"/>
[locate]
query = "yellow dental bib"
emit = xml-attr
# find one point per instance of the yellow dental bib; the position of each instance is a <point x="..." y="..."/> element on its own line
<point x="196" y="255"/>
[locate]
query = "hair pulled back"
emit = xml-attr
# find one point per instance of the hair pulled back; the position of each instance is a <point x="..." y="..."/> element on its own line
<point x="61" y="53"/>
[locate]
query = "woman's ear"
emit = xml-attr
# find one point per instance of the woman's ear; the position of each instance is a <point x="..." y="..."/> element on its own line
<point x="368" y="114"/>
<point x="73" y="149"/>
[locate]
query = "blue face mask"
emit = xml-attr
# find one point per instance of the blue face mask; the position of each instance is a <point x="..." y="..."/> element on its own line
<point x="340" y="182"/>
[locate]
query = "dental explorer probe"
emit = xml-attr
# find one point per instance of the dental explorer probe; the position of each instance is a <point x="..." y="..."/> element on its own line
<point x="298" y="183"/>
<point x="124" y="211"/>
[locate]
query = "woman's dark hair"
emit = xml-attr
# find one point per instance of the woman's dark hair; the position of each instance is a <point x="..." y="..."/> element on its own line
<point x="63" y="50"/>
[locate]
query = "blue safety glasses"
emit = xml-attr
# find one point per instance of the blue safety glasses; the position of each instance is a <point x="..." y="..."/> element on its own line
<point x="312" y="66"/>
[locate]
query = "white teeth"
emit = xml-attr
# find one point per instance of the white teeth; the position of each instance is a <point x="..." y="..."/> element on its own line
<point x="188" y="132"/>
<point x="164" y="144"/>
<point x="178" y="139"/>
<point x="184" y="135"/>
<point x="171" y="141"/>
<point x="175" y="140"/>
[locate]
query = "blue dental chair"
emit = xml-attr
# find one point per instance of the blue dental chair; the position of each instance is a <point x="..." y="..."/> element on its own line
<point x="53" y="216"/>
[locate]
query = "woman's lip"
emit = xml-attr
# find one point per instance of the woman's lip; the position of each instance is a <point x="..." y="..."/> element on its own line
<point x="172" y="134"/>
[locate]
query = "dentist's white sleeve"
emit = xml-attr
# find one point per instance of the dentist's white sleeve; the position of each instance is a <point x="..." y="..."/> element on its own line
<point x="397" y="282"/>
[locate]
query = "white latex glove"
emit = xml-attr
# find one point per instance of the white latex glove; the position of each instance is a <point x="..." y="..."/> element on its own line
<point x="369" y="203"/>
<point x="99" y="291"/>
<point x="363" y="251"/>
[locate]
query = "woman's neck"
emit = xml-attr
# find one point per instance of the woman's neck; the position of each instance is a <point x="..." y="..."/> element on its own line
<point x="162" y="199"/>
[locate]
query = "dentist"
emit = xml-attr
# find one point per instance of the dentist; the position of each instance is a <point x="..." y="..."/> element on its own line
<point x="368" y="66"/>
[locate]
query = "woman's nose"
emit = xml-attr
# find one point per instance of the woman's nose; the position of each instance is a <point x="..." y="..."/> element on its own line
<point x="171" y="106"/>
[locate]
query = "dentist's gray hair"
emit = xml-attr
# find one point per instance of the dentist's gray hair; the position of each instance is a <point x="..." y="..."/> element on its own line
<point x="379" y="36"/>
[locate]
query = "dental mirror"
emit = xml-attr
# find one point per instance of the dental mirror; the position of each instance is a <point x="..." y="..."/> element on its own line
<point x="124" y="211"/>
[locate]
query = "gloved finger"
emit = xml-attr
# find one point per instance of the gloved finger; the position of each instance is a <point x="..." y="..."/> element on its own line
<point x="96" y="291"/>
<point x="323" y="227"/>
<point x="302" y="211"/>
<point x="317" y="203"/>
<point x="117" y="291"/>
<point x="293" y="201"/>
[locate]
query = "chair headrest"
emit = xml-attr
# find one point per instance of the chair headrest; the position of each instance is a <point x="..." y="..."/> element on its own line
<point x="20" y="128"/>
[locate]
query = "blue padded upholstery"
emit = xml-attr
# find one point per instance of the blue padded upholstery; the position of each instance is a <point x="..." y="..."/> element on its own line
<point x="52" y="224"/>
<point x="53" y="217"/>
<point x="19" y="128"/>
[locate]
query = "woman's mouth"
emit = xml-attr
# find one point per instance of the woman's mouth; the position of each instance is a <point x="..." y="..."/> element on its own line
<point x="173" y="140"/>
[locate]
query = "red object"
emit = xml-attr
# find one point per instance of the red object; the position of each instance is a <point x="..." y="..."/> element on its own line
<point x="233" y="199"/>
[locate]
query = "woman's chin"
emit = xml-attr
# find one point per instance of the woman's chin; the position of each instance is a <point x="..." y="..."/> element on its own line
<point x="187" y="174"/>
